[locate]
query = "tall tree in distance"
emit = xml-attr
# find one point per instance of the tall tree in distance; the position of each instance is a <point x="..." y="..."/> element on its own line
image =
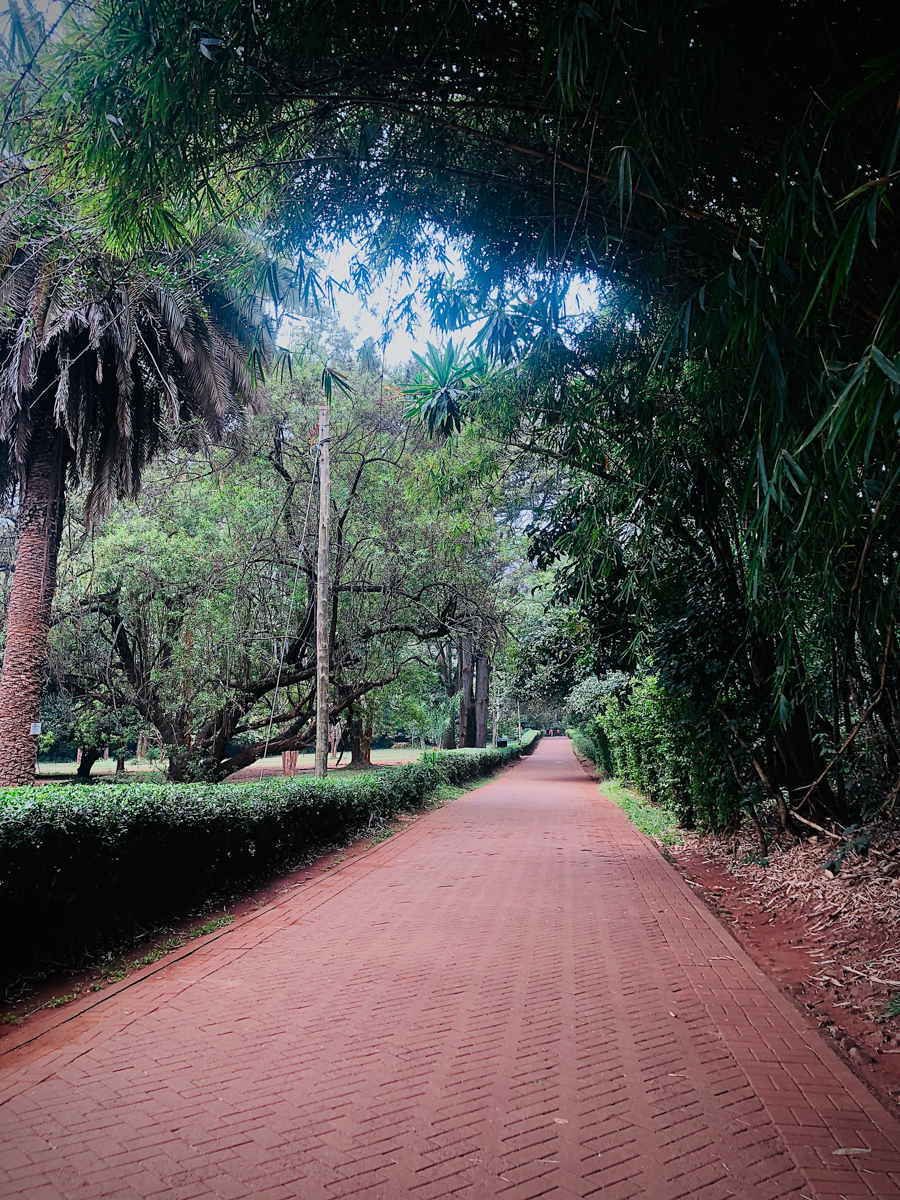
<point x="103" y="363"/>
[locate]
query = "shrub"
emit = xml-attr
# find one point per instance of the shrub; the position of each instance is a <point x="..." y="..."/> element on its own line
<point x="530" y="739"/>
<point x="74" y="856"/>
<point x="660" y="745"/>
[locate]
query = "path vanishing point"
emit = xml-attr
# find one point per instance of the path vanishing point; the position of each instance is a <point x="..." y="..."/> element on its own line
<point x="514" y="997"/>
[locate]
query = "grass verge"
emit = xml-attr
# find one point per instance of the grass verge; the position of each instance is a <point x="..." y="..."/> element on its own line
<point x="652" y="819"/>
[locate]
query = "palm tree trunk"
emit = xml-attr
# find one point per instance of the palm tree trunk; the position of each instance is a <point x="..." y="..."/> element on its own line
<point x="41" y="511"/>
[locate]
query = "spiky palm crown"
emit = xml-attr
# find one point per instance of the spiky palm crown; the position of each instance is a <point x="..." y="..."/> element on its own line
<point x="123" y="357"/>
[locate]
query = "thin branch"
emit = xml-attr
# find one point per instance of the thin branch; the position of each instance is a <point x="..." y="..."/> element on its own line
<point x="862" y="720"/>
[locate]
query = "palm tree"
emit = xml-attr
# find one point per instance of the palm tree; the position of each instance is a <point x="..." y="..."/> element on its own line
<point x="103" y="363"/>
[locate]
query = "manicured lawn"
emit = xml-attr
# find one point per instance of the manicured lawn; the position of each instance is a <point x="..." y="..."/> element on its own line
<point x="104" y="766"/>
<point x="271" y="765"/>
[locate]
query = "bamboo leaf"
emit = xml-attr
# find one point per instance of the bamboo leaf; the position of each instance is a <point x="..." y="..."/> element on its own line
<point x="884" y="364"/>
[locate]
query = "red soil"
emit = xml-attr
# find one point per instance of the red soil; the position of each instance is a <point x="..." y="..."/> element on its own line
<point x="850" y="1015"/>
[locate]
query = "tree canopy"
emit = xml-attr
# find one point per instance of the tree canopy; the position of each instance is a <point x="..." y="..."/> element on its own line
<point x="727" y="175"/>
<point x="103" y="361"/>
<point x="194" y="610"/>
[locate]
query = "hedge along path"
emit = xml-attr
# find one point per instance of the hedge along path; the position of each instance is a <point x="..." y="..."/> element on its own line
<point x="71" y="856"/>
<point x="516" y="996"/>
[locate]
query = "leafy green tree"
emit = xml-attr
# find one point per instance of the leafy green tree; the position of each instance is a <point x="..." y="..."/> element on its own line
<point x="550" y="658"/>
<point x="196" y="607"/>
<point x="95" y="728"/>
<point x="657" y="541"/>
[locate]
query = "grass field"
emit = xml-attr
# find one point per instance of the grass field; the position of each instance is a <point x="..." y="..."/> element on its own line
<point x="271" y="765"/>
<point x="306" y="761"/>
<point x="106" y="767"/>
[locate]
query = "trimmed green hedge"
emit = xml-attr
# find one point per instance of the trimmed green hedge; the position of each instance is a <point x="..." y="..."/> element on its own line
<point x="72" y="857"/>
<point x="530" y="739"/>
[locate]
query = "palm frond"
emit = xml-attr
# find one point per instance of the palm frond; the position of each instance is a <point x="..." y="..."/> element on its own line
<point x="122" y="357"/>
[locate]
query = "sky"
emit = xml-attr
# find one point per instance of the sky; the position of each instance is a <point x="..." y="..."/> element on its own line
<point x="51" y="9"/>
<point x="372" y="317"/>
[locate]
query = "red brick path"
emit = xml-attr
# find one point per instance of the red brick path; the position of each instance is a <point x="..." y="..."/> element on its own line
<point x="514" y="997"/>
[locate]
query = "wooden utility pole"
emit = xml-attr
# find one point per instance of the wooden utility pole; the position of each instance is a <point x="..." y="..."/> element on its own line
<point x="322" y="589"/>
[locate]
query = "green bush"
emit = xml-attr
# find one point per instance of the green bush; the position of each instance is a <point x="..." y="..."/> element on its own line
<point x="656" y="743"/>
<point x="74" y="856"/>
<point x="530" y="739"/>
<point x="592" y="743"/>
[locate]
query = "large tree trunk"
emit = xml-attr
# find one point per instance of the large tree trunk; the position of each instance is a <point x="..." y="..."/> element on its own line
<point x="87" y="760"/>
<point x="448" y="741"/>
<point x="447" y="674"/>
<point x="802" y="766"/>
<point x="466" y="699"/>
<point x="360" y="740"/>
<point x="41" y="510"/>
<point x="482" y="694"/>
<point x="801" y="762"/>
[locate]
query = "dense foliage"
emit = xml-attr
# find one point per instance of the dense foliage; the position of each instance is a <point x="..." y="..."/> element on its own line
<point x="194" y="609"/>
<point x="650" y="740"/>
<point x="70" y="856"/>
<point x="726" y="420"/>
<point x="769" y="619"/>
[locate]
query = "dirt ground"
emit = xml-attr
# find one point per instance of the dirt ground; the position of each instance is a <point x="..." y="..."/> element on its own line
<point x="831" y="942"/>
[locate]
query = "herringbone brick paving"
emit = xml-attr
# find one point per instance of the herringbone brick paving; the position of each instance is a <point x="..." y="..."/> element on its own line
<point x="516" y="997"/>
